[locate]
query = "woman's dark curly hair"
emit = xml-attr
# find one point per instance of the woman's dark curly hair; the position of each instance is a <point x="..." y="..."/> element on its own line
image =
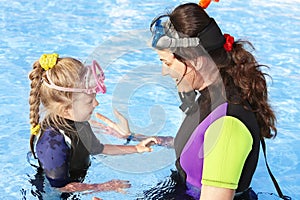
<point x="239" y="69"/>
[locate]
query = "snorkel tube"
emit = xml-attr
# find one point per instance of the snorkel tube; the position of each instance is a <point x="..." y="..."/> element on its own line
<point x="205" y="3"/>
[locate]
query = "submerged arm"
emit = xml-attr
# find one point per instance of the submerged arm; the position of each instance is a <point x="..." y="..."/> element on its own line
<point x="113" y="185"/>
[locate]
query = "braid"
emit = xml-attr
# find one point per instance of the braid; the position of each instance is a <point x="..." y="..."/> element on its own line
<point x="34" y="99"/>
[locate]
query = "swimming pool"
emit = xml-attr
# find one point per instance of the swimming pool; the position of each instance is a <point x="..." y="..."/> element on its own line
<point x="135" y="87"/>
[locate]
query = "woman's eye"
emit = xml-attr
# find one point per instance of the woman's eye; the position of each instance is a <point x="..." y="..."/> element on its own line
<point x="167" y="64"/>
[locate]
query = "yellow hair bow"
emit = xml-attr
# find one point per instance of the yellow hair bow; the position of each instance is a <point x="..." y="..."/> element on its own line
<point x="47" y="61"/>
<point x="34" y="130"/>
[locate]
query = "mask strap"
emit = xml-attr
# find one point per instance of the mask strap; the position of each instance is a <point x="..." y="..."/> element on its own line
<point x="211" y="37"/>
<point x="56" y="87"/>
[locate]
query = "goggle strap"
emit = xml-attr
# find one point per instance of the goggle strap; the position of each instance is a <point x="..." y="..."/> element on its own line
<point x="211" y="37"/>
<point x="65" y="89"/>
<point x="168" y="42"/>
<point x="87" y="77"/>
<point x="56" y="87"/>
<point x="184" y="42"/>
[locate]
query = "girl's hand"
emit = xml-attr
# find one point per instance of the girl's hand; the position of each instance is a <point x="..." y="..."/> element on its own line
<point x="119" y="129"/>
<point x="85" y="188"/>
<point x="144" y="145"/>
<point x="113" y="185"/>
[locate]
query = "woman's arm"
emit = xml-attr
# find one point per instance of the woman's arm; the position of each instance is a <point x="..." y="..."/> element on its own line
<point x="216" y="193"/>
<point x="227" y="143"/>
<point x="167" y="141"/>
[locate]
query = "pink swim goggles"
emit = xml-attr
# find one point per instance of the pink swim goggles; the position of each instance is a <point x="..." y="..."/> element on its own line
<point x="98" y="76"/>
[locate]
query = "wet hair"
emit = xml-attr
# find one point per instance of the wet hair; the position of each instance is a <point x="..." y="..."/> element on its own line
<point x="242" y="75"/>
<point x="67" y="72"/>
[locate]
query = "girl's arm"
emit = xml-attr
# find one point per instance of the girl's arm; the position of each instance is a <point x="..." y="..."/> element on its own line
<point x="54" y="153"/>
<point x="113" y="185"/>
<point x="143" y="146"/>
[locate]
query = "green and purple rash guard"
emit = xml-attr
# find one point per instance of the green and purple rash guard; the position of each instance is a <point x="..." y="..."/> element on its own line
<point x="212" y="149"/>
<point x="220" y="149"/>
<point x="64" y="154"/>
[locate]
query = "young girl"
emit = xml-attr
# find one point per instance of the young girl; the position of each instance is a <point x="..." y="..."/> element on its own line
<point x="67" y="90"/>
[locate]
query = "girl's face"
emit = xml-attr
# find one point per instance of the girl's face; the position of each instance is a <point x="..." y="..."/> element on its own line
<point x="82" y="107"/>
<point x="185" y="76"/>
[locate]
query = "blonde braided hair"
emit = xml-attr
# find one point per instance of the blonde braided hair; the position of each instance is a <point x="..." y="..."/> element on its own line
<point x="65" y="72"/>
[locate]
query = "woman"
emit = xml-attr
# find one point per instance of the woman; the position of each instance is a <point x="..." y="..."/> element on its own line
<point x="225" y="99"/>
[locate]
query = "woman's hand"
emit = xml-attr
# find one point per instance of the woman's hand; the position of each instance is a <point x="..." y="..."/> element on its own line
<point x="119" y="129"/>
<point x="145" y="145"/>
<point x="166" y="141"/>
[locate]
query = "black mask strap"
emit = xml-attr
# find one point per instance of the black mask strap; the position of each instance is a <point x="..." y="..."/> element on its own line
<point x="211" y="37"/>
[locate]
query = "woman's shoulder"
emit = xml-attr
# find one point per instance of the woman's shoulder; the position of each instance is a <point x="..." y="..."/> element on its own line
<point x="240" y="110"/>
<point x="245" y="114"/>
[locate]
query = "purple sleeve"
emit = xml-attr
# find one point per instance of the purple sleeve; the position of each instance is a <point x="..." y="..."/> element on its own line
<point x="53" y="154"/>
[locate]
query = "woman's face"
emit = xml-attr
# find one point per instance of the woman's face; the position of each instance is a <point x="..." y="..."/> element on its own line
<point x="184" y="76"/>
<point x="82" y="107"/>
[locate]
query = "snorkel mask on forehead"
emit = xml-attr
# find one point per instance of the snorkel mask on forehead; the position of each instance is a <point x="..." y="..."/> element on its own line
<point x="164" y="36"/>
<point x="93" y="71"/>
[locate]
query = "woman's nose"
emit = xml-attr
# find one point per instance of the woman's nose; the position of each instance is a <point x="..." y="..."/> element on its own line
<point x="164" y="70"/>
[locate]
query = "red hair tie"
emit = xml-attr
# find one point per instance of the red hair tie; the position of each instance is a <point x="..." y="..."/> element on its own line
<point x="229" y="42"/>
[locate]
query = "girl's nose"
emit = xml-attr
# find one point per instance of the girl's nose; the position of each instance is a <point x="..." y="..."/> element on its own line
<point x="96" y="103"/>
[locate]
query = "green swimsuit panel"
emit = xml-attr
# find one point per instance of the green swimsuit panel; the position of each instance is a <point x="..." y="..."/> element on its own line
<point x="227" y="143"/>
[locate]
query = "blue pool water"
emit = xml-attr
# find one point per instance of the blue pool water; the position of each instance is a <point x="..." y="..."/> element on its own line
<point x="116" y="33"/>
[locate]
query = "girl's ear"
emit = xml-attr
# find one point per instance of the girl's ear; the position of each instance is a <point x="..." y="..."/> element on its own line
<point x="68" y="113"/>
